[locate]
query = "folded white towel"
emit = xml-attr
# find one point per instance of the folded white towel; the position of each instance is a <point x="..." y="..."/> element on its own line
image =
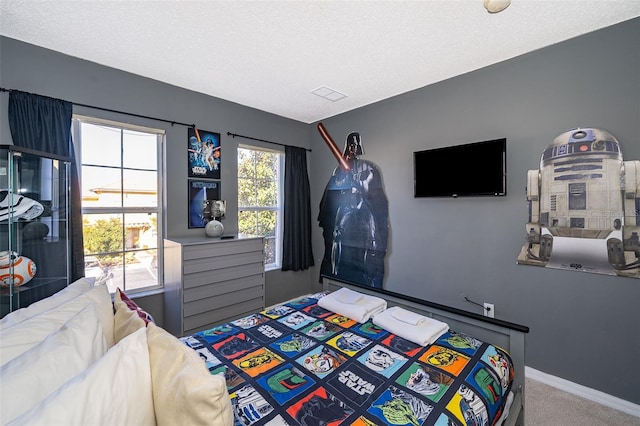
<point x="360" y="308"/>
<point x="424" y="333"/>
<point x="408" y="316"/>
<point x="346" y="295"/>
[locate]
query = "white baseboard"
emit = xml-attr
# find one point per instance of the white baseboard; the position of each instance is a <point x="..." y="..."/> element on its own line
<point x="583" y="391"/>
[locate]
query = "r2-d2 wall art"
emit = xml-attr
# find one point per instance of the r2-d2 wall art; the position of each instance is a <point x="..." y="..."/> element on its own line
<point x="583" y="206"/>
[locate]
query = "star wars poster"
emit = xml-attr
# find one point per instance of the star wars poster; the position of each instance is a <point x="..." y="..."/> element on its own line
<point x="354" y="216"/>
<point x="201" y="195"/>
<point x="203" y="153"/>
<point x="583" y="204"/>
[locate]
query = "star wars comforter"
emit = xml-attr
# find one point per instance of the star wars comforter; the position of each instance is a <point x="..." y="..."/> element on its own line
<point x="299" y="364"/>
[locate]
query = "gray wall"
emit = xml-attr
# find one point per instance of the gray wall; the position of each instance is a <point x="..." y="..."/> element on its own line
<point x="32" y="69"/>
<point x="584" y="327"/>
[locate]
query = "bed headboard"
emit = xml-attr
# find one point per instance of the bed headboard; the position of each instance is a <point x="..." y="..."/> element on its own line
<point x="508" y="336"/>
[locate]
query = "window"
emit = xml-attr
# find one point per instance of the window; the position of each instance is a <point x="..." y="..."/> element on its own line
<point x="260" y="174"/>
<point x="121" y="173"/>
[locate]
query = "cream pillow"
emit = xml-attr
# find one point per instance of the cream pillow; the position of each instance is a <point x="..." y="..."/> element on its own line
<point x="34" y="375"/>
<point x="184" y="392"/>
<point x="116" y="390"/>
<point x="72" y="290"/>
<point x="125" y="321"/>
<point x="146" y="317"/>
<point x="25" y="335"/>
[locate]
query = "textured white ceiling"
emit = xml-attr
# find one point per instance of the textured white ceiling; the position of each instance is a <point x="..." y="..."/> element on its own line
<point x="271" y="55"/>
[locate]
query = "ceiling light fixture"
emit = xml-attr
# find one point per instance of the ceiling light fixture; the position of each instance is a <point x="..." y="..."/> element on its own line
<point x="328" y="93"/>
<point x="495" y="6"/>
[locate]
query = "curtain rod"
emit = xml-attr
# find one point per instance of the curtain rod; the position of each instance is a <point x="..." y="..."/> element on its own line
<point x="2" y="89"/>
<point x="233" y="135"/>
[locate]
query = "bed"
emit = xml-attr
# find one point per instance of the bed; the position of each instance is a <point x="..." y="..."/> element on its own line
<point x="299" y="363"/>
<point x="504" y="334"/>
<point x="83" y="356"/>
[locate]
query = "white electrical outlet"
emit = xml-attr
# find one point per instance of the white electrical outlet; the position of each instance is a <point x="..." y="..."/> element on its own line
<point x="489" y="310"/>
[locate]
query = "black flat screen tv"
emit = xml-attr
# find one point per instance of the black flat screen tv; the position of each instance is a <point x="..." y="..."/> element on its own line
<point x="474" y="169"/>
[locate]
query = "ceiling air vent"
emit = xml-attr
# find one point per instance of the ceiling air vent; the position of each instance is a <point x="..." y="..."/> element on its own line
<point x="328" y="93"/>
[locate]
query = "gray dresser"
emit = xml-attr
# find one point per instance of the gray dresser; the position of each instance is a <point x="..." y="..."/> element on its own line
<point x="209" y="281"/>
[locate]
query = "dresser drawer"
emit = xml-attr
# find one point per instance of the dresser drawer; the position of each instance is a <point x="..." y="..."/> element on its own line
<point x="209" y="281"/>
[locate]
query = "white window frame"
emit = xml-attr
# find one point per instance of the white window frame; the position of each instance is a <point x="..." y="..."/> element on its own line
<point x="279" y="208"/>
<point x="158" y="210"/>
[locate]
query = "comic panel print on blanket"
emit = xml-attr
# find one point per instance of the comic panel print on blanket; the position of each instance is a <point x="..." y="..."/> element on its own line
<point x="299" y="364"/>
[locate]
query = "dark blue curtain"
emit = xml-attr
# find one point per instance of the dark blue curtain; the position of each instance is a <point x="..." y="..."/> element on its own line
<point x="44" y="124"/>
<point x="297" y="254"/>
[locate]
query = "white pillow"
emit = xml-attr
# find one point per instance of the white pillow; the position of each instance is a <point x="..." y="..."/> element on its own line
<point x="20" y="338"/>
<point x="72" y="290"/>
<point x="102" y="298"/>
<point x="116" y="390"/>
<point x="31" y="377"/>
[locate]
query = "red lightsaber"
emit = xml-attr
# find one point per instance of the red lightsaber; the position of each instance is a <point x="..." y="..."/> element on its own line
<point x="333" y="147"/>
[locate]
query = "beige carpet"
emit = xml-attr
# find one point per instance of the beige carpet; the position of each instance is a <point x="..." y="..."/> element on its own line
<point x="548" y="406"/>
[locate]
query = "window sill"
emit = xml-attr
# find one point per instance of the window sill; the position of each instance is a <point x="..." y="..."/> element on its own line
<point x="144" y="293"/>
<point x="272" y="268"/>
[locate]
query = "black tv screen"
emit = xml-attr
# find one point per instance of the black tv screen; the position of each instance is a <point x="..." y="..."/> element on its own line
<point x="475" y="169"/>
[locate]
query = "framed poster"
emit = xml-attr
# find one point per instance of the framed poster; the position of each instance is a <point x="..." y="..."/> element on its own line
<point x="201" y="196"/>
<point x="203" y="154"/>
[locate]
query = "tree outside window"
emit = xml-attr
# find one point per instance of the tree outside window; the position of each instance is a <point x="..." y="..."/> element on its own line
<point x="121" y="181"/>
<point x="260" y="176"/>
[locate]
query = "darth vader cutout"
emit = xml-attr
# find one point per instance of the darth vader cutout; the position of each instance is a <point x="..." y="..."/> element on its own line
<point x="354" y="216"/>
